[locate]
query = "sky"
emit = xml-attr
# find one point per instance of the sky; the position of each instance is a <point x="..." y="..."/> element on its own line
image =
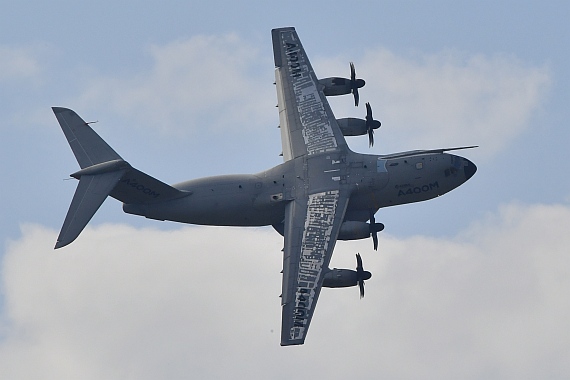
<point x="470" y="285"/>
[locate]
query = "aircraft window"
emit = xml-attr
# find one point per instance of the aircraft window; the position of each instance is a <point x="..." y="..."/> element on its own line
<point x="420" y="165"/>
<point x="456" y="162"/>
<point x="450" y="171"/>
<point x="381" y="166"/>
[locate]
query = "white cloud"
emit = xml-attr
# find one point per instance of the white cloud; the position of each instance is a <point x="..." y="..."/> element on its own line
<point x="446" y="99"/>
<point x="223" y="83"/>
<point x="211" y="82"/>
<point x="119" y="302"/>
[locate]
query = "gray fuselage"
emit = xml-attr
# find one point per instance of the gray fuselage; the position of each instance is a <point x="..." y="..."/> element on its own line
<point x="260" y="199"/>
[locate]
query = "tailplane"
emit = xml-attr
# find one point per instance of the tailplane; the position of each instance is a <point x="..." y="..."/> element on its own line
<point x="103" y="173"/>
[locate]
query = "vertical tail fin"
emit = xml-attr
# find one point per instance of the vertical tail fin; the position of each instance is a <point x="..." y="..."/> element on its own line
<point x="89" y="148"/>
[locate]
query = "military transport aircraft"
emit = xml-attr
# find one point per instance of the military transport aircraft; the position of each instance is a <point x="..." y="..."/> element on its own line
<point x="322" y="191"/>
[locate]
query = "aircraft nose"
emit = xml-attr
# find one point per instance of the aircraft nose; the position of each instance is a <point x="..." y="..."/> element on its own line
<point x="469" y="169"/>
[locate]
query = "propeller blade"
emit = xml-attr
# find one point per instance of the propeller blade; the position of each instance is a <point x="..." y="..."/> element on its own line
<point x="368" y="112"/>
<point x="361" y="274"/>
<point x="374" y="230"/>
<point x="371" y="124"/>
<point x="356" y="96"/>
<point x="355" y="84"/>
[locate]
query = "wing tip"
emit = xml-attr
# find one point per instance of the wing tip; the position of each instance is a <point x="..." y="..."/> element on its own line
<point x="57" y="110"/>
<point x="296" y="342"/>
<point x="277" y="43"/>
<point x="284" y="28"/>
<point x="60" y="244"/>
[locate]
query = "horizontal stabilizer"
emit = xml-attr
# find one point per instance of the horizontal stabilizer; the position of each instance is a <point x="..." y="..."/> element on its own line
<point x="90" y="194"/>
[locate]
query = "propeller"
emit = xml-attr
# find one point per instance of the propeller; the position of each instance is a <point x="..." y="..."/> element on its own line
<point x="371" y="125"/>
<point x="374" y="229"/>
<point x="355" y="84"/>
<point x="361" y="274"/>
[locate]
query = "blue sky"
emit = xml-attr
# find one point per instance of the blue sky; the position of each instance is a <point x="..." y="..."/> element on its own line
<point x="477" y="278"/>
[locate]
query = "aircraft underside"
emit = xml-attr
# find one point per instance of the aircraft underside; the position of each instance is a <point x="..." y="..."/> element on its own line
<point x="321" y="193"/>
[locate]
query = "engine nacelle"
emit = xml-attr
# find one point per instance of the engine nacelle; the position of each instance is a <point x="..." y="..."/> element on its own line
<point x="340" y="278"/>
<point x="351" y="230"/>
<point x="351" y="126"/>
<point x="343" y="278"/>
<point x="335" y="86"/>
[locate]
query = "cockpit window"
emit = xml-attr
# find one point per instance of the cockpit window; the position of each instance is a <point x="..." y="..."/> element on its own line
<point x="450" y="171"/>
<point x="456" y="162"/>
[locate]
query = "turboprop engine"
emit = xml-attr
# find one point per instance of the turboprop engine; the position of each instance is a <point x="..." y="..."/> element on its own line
<point x="344" y="278"/>
<point x="351" y="126"/>
<point x="353" y="230"/>
<point x="342" y="86"/>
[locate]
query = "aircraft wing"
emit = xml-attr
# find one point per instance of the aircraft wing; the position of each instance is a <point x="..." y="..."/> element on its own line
<point x="311" y="229"/>
<point x="307" y="123"/>
<point x="312" y="138"/>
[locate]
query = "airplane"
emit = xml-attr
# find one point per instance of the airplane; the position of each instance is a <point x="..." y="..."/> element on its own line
<point x="321" y="193"/>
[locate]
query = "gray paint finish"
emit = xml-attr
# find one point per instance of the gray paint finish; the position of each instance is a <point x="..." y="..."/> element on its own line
<point x="321" y="185"/>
